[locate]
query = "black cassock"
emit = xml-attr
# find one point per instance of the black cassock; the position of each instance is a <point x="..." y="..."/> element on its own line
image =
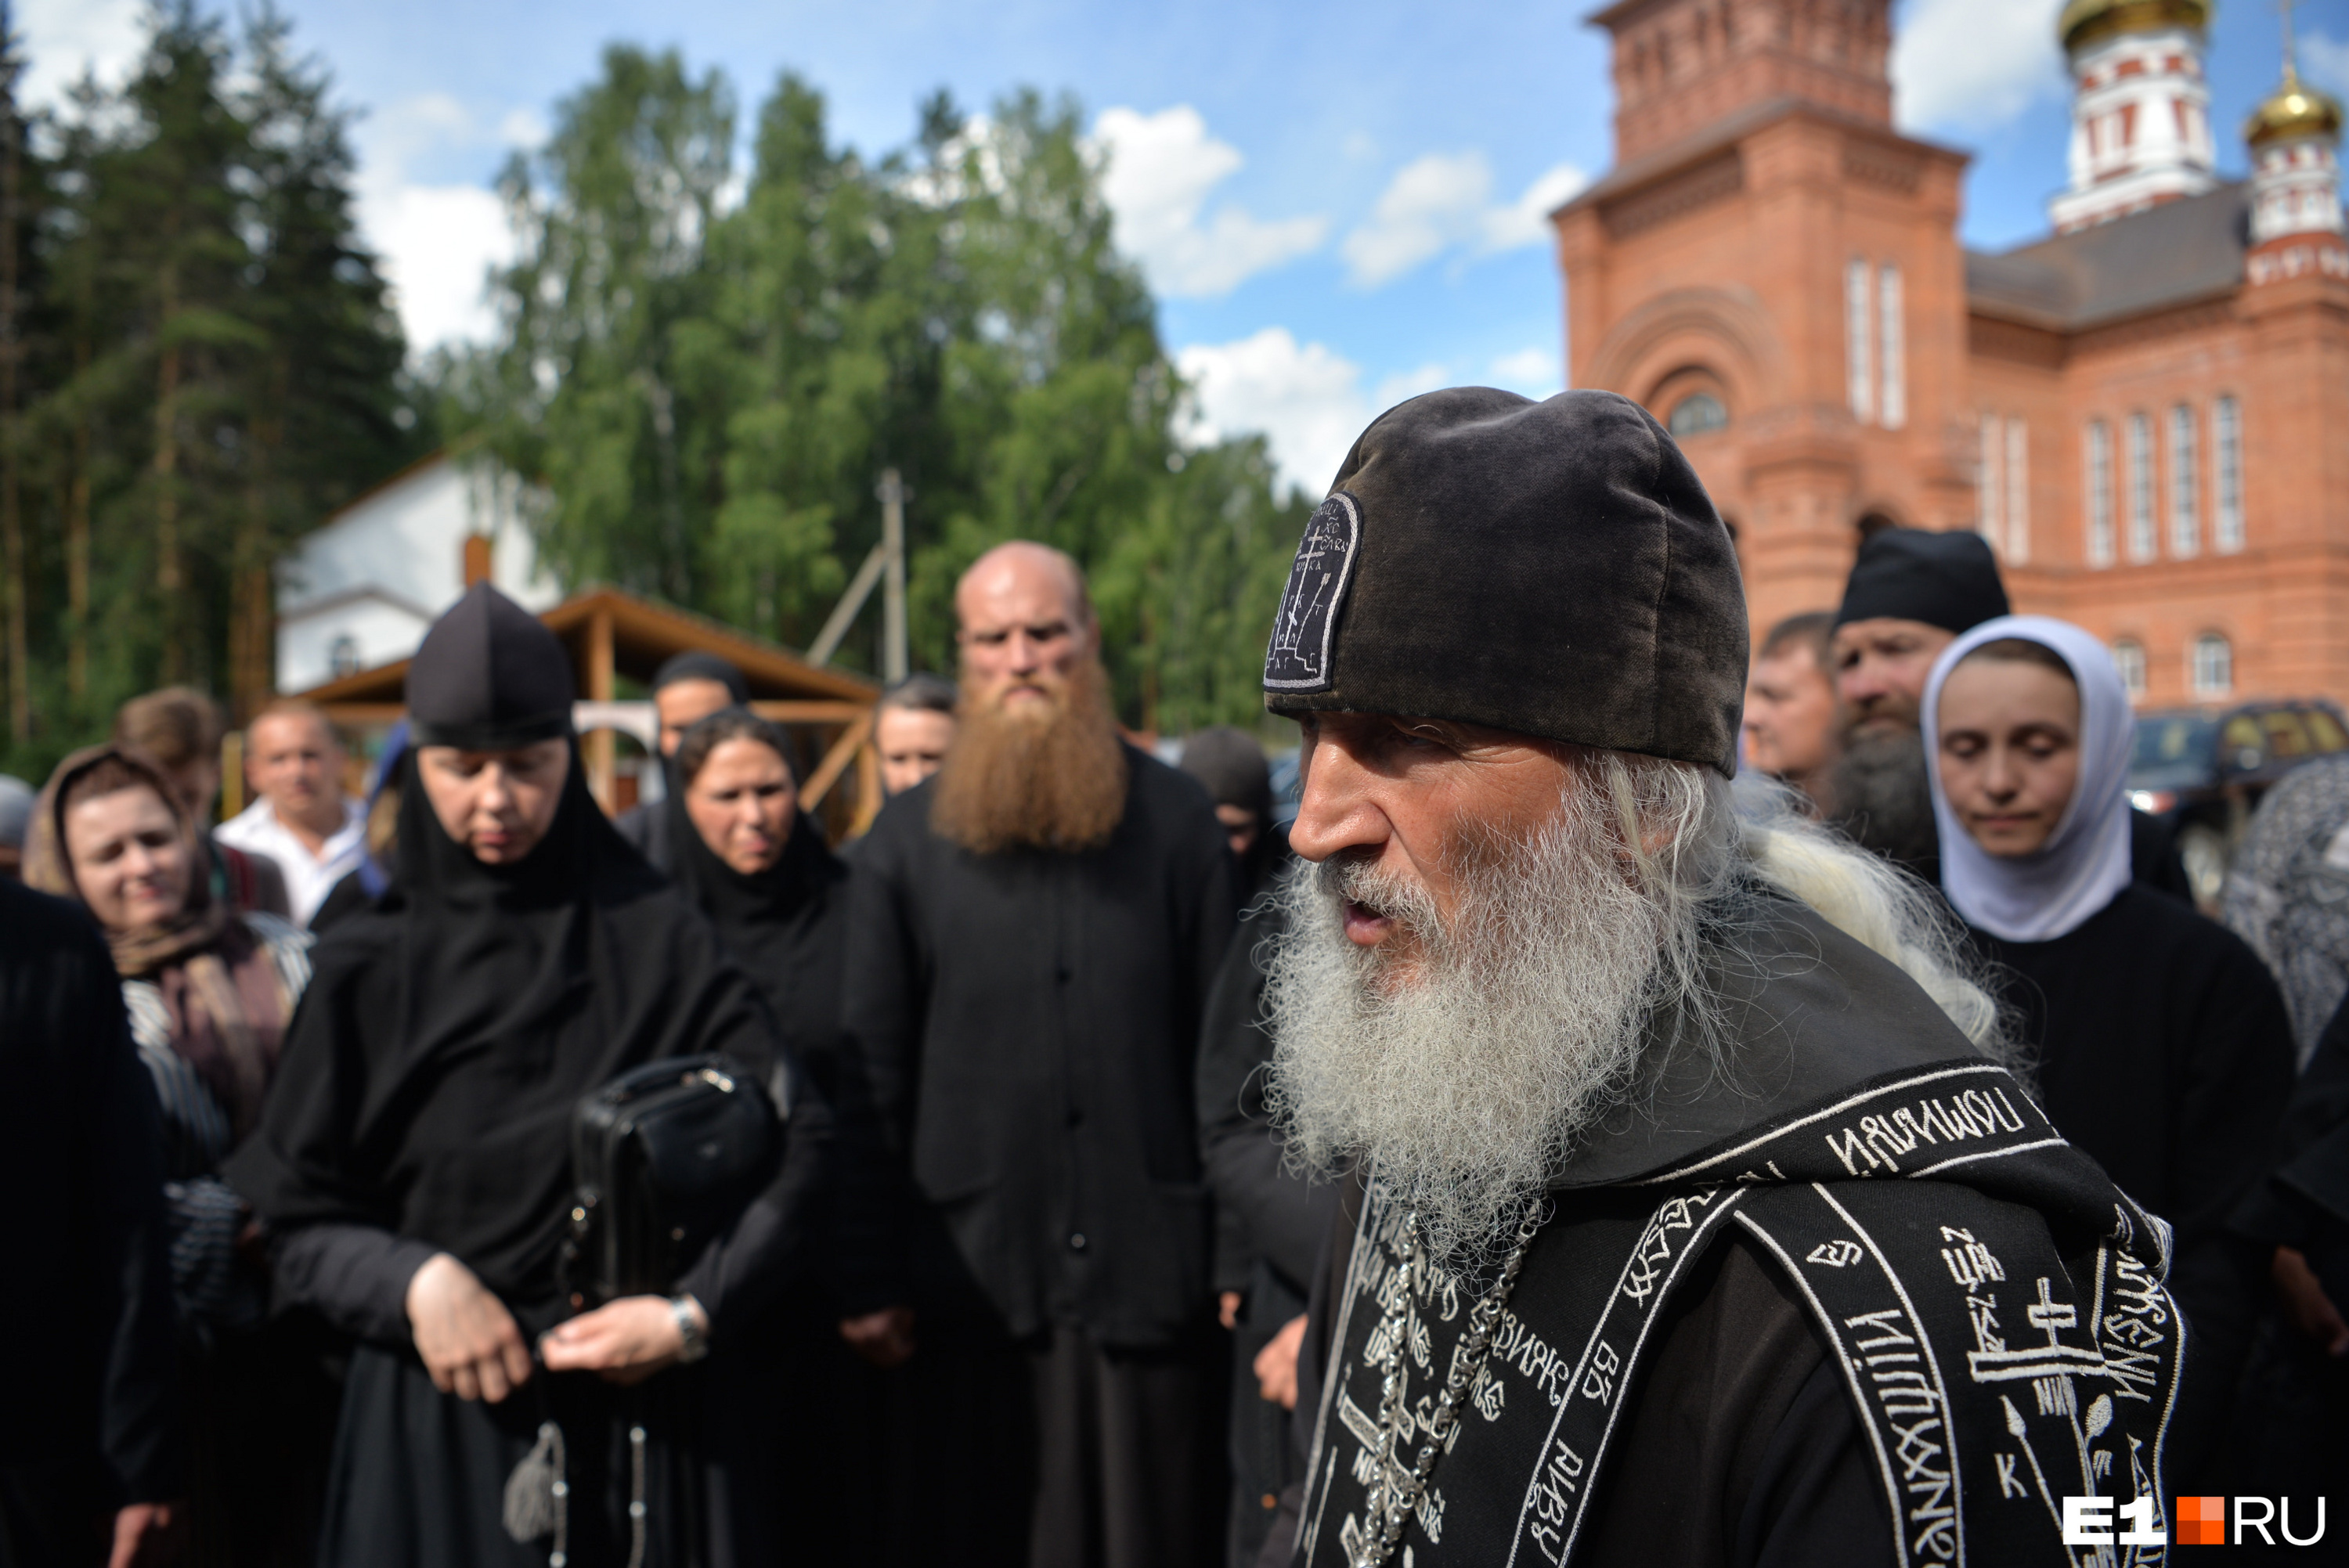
<point x="1850" y="1301"/>
<point x="89" y="1421"/>
<point x="2164" y="1050"/>
<point x="1026" y="1025"/>
<point x="1272" y="1223"/>
<point x="424" y="1105"/>
<point x="788" y="929"/>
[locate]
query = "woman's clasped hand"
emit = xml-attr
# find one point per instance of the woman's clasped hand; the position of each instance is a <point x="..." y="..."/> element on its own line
<point x="474" y="1348"/>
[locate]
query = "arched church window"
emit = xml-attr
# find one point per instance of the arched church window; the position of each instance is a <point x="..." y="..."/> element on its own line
<point x="2213" y="669"/>
<point x="343" y="656"/>
<point x="1696" y="414"/>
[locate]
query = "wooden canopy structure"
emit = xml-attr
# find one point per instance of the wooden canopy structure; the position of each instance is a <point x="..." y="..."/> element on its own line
<point x="612" y="636"/>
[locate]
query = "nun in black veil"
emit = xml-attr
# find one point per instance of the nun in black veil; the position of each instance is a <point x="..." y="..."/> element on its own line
<point x="745" y="853"/>
<point x="413" y="1167"/>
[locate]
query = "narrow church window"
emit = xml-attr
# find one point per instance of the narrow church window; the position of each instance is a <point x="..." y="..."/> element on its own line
<point x="2142" y="540"/>
<point x="1696" y="414"/>
<point x="2213" y="671"/>
<point x="1986" y="484"/>
<point x="1856" y="316"/>
<point x="2100" y="495"/>
<point x="2128" y="657"/>
<point x="2018" y="492"/>
<point x="2185" y="485"/>
<point x="1892" y="405"/>
<point x="2227" y="428"/>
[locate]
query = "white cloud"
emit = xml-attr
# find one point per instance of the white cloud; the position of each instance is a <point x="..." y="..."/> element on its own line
<point x="1307" y="399"/>
<point x="1973" y="64"/>
<point x="1525" y="220"/>
<point x="1534" y="372"/>
<point x="438" y="243"/>
<point x="1159" y="168"/>
<point x="63" y="38"/>
<point x="437" y="240"/>
<point x="1444" y="199"/>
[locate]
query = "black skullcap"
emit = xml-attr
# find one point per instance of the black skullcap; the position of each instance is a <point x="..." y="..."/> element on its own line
<point x="490" y="676"/>
<point x="1945" y="580"/>
<point x="1553" y="569"/>
<point x="1231" y="764"/>
<point x="693" y="665"/>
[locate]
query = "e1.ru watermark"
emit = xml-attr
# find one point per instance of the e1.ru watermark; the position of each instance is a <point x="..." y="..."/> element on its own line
<point x="2202" y="1522"/>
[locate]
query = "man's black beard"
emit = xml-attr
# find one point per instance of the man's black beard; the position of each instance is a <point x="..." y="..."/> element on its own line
<point x="1882" y="799"/>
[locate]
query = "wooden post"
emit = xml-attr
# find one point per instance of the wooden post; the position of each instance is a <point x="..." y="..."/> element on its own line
<point x="894" y="495"/>
<point x="477" y="559"/>
<point x="231" y="787"/>
<point x="598" y="746"/>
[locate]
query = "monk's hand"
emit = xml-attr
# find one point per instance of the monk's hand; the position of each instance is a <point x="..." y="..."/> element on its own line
<point x="885" y="1338"/>
<point x="625" y="1341"/>
<point x="2304" y="1299"/>
<point x="1275" y="1364"/>
<point x="463" y="1332"/>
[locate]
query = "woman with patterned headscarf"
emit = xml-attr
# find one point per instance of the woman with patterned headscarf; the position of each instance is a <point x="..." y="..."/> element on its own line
<point x="209" y="991"/>
<point x="2288" y="892"/>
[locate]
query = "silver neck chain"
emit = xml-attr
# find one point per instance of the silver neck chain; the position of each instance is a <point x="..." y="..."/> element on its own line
<point x="1395" y="1496"/>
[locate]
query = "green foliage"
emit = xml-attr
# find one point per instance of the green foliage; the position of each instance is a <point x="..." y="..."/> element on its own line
<point x="709" y="389"/>
<point x="208" y="366"/>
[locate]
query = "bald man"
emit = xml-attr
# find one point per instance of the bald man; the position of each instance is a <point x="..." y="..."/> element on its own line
<point x="1032" y="933"/>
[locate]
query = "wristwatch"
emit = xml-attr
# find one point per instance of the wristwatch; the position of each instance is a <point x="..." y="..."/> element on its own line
<point x="688" y="1328"/>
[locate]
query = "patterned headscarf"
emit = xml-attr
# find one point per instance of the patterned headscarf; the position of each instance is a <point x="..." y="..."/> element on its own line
<point x="2287" y="893"/>
<point x="195" y="957"/>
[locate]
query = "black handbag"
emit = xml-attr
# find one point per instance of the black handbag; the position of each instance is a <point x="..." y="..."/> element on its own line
<point x="662" y="1159"/>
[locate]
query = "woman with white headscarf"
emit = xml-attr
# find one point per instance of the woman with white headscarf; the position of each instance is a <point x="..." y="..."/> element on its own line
<point x="2163" y="1048"/>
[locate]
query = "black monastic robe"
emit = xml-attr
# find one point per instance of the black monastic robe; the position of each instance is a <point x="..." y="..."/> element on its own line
<point x="1849" y="1300"/>
<point x="424" y="1105"/>
<point x="2163" y="1049"/>
<point x="1026" y="1025"/>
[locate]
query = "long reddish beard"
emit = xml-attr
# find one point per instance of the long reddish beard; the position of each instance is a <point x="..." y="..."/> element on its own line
<point x="1053" y="780"/>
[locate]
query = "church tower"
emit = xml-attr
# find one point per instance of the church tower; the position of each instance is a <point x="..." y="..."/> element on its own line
<point x="2141" y="110"/>
<point x="2295" y="142"/>
<point x="1772" y="267"/>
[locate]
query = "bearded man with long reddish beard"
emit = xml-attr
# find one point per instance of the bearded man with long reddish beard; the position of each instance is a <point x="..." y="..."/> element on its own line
<point x="1032" y="933"/>
<point x="1693" y="1219"/>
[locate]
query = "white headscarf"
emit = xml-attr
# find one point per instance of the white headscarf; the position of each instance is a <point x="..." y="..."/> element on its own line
<point x="2085" y="860"/>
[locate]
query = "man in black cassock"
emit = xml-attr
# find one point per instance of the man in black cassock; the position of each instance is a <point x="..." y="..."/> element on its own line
<point x="1911" y="592"/>
<point x="1692" y="1229"/>
<point x="1031" y="935"/>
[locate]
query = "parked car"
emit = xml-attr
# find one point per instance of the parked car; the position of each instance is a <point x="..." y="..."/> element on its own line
<point x="2204" y="771"/>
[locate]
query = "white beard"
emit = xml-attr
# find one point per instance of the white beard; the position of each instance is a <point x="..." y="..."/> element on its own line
<point x="1465" y="1082"/>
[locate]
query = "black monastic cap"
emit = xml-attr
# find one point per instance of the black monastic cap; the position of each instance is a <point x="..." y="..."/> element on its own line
<point x="1554" y="569"/>
<point x="1945" y="580"/>
<point x="693" y="665"/>
<point x="490" y="676"/>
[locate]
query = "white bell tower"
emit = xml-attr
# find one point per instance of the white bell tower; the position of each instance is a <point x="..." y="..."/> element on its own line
<point x="2140" y="109"/>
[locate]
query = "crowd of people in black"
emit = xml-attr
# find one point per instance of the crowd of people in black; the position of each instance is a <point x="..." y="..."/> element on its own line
<point x="381" y="1201"/>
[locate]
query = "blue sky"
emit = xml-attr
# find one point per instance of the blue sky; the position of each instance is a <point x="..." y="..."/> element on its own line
<point x="1338" y="203"/>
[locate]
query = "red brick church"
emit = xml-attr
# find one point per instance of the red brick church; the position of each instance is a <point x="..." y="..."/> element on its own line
<point x="2146" y="413"/>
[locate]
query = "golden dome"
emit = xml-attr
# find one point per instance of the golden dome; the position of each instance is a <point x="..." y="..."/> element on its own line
<point x="2086" y="20"/>
<point x="2293" y="109"/>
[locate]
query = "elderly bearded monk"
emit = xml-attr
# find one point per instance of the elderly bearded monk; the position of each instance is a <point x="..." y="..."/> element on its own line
<point x="1693" y="1231"/>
